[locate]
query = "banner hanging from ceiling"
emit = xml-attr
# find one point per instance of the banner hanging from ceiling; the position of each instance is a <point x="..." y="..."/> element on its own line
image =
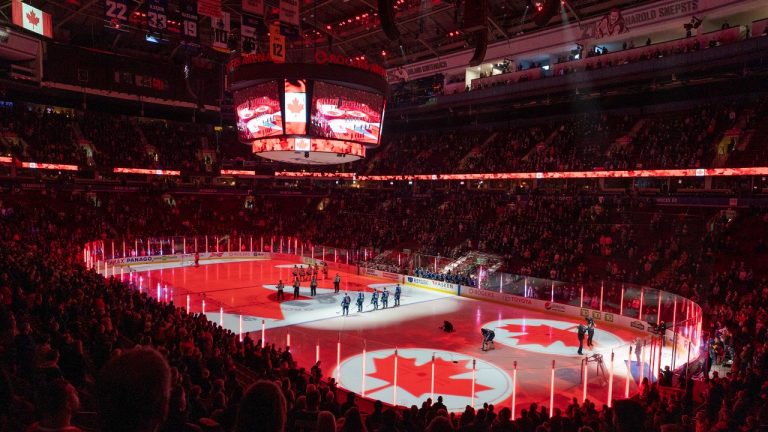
<point x="209" y="8"/>
<point x="32" y="19"/>
<point x="157" y="15"/>
<point x="248" y="32"/>
<point x="221" y="28"/>
<point x="189" y="21"/>
<point x="255" y="7"/>
<point x="276" y="45"/>
<point x="116" y="12"/>
<point x="289" y="17"/>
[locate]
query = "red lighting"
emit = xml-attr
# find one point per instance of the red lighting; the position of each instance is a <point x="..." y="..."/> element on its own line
<point x="146" y="171"/>
<point x="49" y="166"/>
<point x="238" y="172"/>
<point x="700" y="172"/>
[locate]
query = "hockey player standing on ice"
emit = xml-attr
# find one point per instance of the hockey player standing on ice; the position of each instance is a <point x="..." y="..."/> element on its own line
<point x="360" y="300"/>
<point x="313" y="286"/>
<point x="336" y="283"/>
<point x="296" y="286"/>
<point x="385" y="298"/>
<point x="375" y="299"/>
<point x="345" y="304"/>
<point x="280" y="294"/>
<point x="397" y="295"/>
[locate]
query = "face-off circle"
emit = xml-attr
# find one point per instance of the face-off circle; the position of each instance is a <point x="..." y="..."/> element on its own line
<point x="453" y="377"/>
<point x="547" y="336"/>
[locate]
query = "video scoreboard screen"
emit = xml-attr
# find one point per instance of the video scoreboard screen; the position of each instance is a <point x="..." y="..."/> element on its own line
<point x="344" y="113"/>
<point x="258" y="110"/>
<point x="308" y="111"/>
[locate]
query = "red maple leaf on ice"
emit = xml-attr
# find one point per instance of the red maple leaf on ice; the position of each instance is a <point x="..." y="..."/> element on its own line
<point x="542" y="334"/>
<point x="32" y="18"/>
<point x="416" y="379"/>
<point x="295" y="106"/>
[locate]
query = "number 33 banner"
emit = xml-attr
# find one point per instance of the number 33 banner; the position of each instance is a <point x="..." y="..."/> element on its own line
<point x="157" y="15"/>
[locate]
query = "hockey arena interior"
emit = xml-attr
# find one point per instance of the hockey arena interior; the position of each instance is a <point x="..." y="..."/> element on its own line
<point x="389" y="216"/>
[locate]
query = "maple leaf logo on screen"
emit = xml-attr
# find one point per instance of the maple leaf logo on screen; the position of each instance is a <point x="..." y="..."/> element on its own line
<point x="295" y="106"/>
<point x="32" y="18"/>
<point x="450" y="378"/>
<point x="541" y="334"/>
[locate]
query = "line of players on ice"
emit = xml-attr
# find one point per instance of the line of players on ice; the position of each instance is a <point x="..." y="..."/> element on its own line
<point x="299" y="274"/>
<point x="347" y="300"/>
<point x="310" y="271"/>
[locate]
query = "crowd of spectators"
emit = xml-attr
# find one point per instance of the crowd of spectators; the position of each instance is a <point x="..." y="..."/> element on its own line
<point x="99" y="140"/>
<point x="39" y="134"/>
<point x="68" y="331"/>
<point x="72" y="339"/>
<point x="384" y="264"/>
<point x="680" y="139"/>
<point x="467" y="279"/>
<point x="684" y="138"/>
<point x="580" y="60"/>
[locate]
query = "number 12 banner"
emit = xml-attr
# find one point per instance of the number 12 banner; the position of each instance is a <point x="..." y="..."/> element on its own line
<point x="276" y="45"/>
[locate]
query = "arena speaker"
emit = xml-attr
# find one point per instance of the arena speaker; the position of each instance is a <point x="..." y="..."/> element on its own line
<point x="387" y="17"/>
<point x="545" y="10"/>
<point x="475" y="15"/>
<point x="481" y="45"/>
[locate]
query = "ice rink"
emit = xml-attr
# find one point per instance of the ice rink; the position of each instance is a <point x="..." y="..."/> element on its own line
<point x="359" y="349"/>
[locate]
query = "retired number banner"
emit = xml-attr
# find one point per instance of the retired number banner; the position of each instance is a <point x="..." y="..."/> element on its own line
<point x="157" y="15"/>
<point x="189" y="20"/>
<point x="221" y="28"/>
<point x="116" y="11"/>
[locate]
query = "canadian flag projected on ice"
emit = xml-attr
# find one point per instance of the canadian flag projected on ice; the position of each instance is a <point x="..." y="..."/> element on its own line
<point x="32" y="19"/>
<point x="453" y="377"/>
<point x="546" y="336"/>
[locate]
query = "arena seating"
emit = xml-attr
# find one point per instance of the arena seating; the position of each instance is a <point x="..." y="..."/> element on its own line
<point x="64" y="323"/>
<point x="101" y="89"/>
<point x="724" y="133"/>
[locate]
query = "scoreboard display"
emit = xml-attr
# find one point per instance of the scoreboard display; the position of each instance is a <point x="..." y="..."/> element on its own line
<point x="309" y="109"/>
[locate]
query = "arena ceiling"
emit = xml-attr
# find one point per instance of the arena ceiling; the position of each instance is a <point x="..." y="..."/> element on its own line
<point x="428" y="28"/>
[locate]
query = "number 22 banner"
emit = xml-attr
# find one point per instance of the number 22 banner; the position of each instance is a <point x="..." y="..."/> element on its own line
<point x="116" y="11"/>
